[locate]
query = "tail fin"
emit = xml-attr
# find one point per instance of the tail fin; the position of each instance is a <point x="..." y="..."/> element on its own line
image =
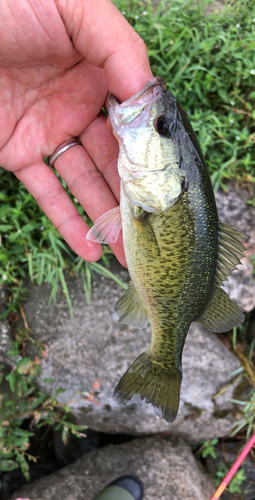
<point x="150" y="381"/>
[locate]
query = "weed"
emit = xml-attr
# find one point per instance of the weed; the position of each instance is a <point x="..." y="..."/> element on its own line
<point x="235" y="483"/>
<point x="31" y="246"/>
<point x="244" y="399"/>
<point x="209" y="448"/>
<point x="28" y="402"/>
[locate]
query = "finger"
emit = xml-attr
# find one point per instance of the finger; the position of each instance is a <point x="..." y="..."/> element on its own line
<point x="114" y="46"/>
<point x="87" y="184"/>
<point x="103" y="149"/>
<point x="49" y="193"/>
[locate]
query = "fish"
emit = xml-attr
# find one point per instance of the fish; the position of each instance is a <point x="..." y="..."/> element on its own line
<point x="178" y="252"/>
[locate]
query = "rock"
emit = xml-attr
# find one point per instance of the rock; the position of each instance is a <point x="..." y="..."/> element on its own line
<point x="241" y="286"/>
<point x="89" y="352"/>
<point x="5" y="344"/>
<point x="5" y="331"/>
<point x="166" y="466"/>
<point x="233" y="209"/>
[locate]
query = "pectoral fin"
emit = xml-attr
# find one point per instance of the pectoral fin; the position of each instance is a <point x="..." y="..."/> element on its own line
<point x="222" y="313"/>
<point x="107" y="228"/>
<point x="129" y="309"/>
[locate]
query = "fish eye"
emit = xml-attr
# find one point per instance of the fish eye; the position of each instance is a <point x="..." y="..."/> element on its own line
<point x="164" y="125"/>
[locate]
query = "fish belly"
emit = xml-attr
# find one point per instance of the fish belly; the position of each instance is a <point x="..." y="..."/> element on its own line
<point x="169" y="272"/>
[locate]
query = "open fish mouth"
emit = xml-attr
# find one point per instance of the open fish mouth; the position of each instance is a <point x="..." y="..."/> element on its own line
<point x="122" y="114"/>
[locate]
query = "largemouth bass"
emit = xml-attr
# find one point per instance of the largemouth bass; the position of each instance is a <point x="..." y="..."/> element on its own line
<point x="177" y="251"/>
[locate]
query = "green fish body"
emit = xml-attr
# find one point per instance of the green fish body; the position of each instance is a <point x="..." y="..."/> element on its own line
<point x="177" y="251"/>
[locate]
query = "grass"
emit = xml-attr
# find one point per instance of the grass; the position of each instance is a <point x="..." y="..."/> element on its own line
<point x="30" y="246"/>
<point x="25" y="401"/>
<point x="244" y="399"/>
<point x="208" y="62"/>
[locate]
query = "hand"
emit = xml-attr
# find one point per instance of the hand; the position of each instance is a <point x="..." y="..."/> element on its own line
<point x="58" y="62"/>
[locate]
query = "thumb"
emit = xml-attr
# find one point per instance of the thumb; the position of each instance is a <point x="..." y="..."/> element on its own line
<point x="102" y="35"/>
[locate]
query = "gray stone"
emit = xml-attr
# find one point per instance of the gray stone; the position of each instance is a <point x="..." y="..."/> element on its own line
<point x="241" y="286"/>
<point x="89" y="352"/>
<point x="166" y="466"/>
<point x="234" y="209"/>
<point x="5" y="344"/>
<point x="5" y="331"/>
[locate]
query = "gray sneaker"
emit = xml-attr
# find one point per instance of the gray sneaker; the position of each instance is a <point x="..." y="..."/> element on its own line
<point x="124" y="488"/>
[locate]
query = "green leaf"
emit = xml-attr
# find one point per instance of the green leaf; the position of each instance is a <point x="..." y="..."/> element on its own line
<point x="48" y="380"/>
<point x="24" y="434"/>
<point x="23" y="465"/>
<point x="58" y="391"/>
<point x="108" y="274"/>
<point x="23" y="365"/>
<point x="8" y="465"/>
<point x="65" y="435"/>
<point x="66" y="290"/>
<point x="11" y="377"/>
<point x="214" y="441"/>
<point x="37" y="402"/>
<point x="5" y="227"/>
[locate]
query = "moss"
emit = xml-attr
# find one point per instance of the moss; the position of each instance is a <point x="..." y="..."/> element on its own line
<point x="194" y="411"/>
<point x="107" y="407"/>
<point x="221" y="413"/>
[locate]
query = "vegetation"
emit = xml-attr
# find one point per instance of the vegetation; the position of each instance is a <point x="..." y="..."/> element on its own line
<point x="31" y="245"/>
<point x="208" y="62"/>
<point x="28" y="402"/>
<point x="245" y="393"/>
<point x="220" y="469"/>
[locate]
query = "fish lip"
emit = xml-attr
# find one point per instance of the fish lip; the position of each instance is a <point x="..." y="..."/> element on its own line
<point x="153" y="82"/>
<point x="117" y="118"/>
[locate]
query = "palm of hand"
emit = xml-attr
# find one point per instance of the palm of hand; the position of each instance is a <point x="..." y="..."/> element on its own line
<point x="43" y="106"/>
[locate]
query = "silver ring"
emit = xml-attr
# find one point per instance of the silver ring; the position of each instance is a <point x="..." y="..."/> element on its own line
<point x="61" y="149"/>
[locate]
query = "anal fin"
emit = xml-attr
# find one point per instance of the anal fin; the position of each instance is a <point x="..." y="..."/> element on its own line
<point x="107" y="228"/>
<point x="222" y="313"/>
<point x="129" y="309"/>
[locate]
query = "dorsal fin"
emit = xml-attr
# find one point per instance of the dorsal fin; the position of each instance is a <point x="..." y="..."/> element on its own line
<point x="230" y="251"/>
<point x="222" y="313"/>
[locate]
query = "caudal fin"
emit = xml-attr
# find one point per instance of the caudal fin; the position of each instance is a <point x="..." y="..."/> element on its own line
<point x="150" y="381"/>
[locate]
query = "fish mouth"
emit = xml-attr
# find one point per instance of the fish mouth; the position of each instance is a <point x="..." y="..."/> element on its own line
<point x="122" y="114"/>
